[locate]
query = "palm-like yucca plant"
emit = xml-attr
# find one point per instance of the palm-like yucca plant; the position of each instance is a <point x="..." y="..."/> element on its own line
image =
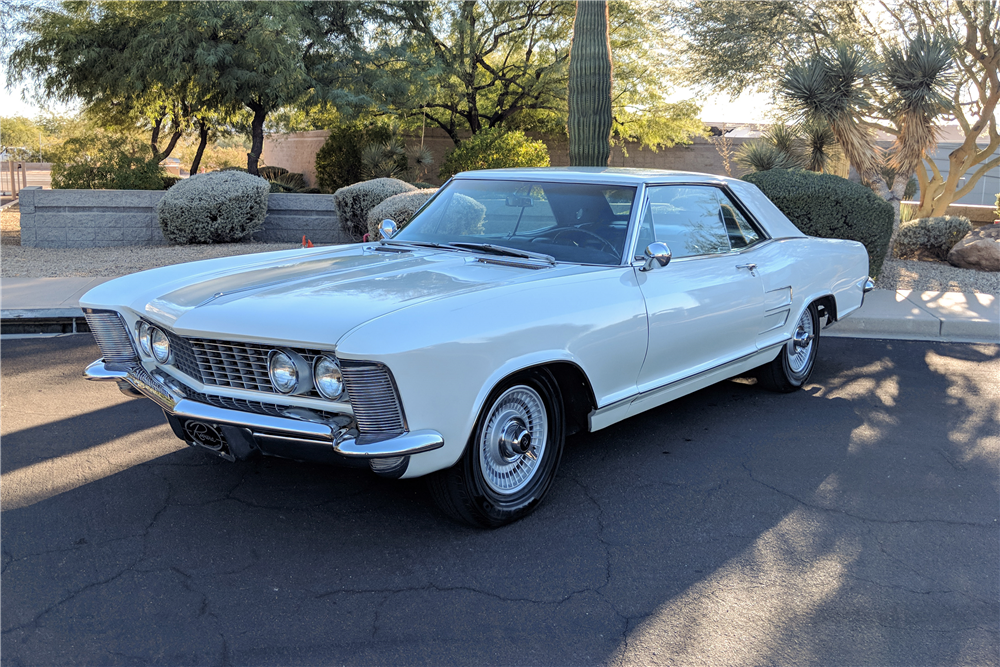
<point x="915" y="76"/>
<point x="785" y="138"/>
<point x="819" y="145"/>
<point x="762" y="155"/>
<point x="831" y="88"/>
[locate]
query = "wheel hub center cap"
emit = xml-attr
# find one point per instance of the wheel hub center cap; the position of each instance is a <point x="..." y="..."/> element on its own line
<point x="515" y="440"/>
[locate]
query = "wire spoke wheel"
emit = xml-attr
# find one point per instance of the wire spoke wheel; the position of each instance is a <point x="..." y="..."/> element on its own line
<point x="512" y="455"/>
<point x="513" y="443"/>
<point x="794" y="364"/>
<point x="799" y="349"/>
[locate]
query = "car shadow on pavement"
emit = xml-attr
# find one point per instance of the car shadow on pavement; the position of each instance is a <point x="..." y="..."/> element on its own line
<point x="845" y="524"/>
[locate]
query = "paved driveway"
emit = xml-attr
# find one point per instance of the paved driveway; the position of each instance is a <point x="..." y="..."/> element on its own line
<point x="851" y="523"/>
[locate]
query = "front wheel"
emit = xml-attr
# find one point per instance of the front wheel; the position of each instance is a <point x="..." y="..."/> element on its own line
<point x="512" y="457"/>
<point x="794" y="364"/>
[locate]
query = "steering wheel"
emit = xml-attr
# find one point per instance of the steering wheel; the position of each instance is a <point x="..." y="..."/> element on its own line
<point x="586" y="232"/>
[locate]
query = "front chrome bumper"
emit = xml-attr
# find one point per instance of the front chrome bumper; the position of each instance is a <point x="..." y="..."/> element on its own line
<point x="298" y="433"/>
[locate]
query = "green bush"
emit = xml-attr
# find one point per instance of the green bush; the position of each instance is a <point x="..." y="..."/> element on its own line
<point x="106" y="162"/>
<point x="935" y="236"/>
<point x="830" y="207"/>
<point x="996" y="212"/>
<point x="398" y="208"/>
<point x="217" y="207"/>
<point x="495" y="148"/>
<point x="338" y="162"/>
<point x="354" y="202"/>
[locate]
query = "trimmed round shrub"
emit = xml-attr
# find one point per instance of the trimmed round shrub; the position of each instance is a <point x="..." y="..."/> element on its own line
<point x="934" y="236"/>
<point x="338" y="162"/>
<point x="830" y="207"/>
<point x="495" y="148"/>
<point x="217" y="207"/>
<point x="398" y="208"/>
<point x="354" y="202"/>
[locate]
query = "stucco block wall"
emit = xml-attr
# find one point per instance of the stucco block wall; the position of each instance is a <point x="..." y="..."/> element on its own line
<point x="95" y="218"/>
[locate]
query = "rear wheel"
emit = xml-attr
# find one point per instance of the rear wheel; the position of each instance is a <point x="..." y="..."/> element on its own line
<point x="512" y="457"/>
<point x="794" y="364"/>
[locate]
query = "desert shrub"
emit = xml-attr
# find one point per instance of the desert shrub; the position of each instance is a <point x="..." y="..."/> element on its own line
<point x="495" y="148"/>
<point x="830" y="207"/>
<point x="355" y="201"/>
<point x="996" y="212"/>
<point x="271" y="173"/>
<point x="289" y="182"/>
<point x="338" y="162"/>
<point x="106" y="162"/>
<point x="235" y="168"/>
<point x="761" y="155"/>
<point x="935" y="236"/>
<point x="217" y="207"/>
<point x="398" y="208"/>
<point x="465" y="216"/>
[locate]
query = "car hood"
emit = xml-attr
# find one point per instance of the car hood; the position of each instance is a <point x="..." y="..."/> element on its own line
<point x="306" y="297"/>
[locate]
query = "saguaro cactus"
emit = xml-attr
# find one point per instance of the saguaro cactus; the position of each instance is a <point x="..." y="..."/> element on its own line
<point x="590" y="86"/>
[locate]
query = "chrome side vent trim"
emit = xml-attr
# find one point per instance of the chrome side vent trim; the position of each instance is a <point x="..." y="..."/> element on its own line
<point x="374" y="399"/>
<point x="112" y="337"/>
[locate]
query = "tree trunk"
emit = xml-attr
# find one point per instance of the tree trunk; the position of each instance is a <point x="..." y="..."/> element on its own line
<point x="256" y="137"/>
<point x="590" y="69"/>
<point x="202" y="142"/>
<point x="895" y="196"/>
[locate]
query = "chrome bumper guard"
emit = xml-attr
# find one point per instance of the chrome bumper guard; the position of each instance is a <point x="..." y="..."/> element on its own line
<point x="331" y="438"/>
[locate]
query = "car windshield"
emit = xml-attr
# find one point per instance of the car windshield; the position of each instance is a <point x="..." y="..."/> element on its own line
<point x="571" y="222"/>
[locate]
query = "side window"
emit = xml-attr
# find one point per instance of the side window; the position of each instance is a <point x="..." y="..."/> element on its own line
<point x="688" y="219"/>
<point x="741" y="233"/>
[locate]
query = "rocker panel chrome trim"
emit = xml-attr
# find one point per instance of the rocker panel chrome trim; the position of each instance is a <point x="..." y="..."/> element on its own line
<point x="633" y="405"/>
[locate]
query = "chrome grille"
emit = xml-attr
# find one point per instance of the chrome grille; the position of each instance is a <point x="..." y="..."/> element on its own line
<point x="224" y="363"/>
<point x="112" y="337"/>
<point x="374" y="399"/>
<point x="252" y="406"/>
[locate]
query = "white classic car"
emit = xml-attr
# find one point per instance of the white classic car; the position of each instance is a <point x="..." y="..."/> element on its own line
<point x="516" y="307"/>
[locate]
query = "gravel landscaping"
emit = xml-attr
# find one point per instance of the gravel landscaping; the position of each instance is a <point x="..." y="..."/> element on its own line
<point x="16" y="261"/>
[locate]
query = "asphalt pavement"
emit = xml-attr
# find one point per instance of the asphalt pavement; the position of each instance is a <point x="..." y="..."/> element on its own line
<point x="852" y="523"/>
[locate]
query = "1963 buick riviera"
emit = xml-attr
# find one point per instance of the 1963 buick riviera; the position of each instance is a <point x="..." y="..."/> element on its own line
<point x="516" y="307"/>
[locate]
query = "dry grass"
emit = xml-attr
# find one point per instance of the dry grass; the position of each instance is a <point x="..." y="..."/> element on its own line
<point x="10" y="225"/>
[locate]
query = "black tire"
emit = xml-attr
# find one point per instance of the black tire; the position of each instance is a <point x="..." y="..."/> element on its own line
<point x="791" y="369"/>
<point x="482" y="489"/>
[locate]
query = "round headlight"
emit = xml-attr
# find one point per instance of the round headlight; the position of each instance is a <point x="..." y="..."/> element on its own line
<point x="160" y="344"/>
<point x="327" y="377"/>
<point x="144" y="344"/>
<point x="282" y="371"/>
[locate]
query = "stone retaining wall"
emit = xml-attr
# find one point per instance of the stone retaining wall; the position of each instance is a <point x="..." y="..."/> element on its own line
<point x="94" y="218"/>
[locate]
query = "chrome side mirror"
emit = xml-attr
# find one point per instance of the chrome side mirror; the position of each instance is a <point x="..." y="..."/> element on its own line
<point x="387" y="228"/>
<point x="657" y="254"/>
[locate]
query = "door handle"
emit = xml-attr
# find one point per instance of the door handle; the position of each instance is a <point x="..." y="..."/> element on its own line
<point x="749" y="267"/>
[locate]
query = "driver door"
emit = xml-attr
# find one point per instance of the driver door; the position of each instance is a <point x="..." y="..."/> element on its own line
<point x="705" y="308"/>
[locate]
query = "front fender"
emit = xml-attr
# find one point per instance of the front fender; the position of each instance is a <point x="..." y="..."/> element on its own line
<point x="447" y="355"/>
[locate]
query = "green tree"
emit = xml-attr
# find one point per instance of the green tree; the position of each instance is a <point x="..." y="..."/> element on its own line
<point x="183" y="65"/>
<point x="465" y="66"/>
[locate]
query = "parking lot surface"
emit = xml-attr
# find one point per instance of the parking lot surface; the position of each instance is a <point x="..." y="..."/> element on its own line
<point x="854" y="522"/>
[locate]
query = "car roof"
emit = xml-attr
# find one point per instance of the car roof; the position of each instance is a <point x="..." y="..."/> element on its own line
<point x="599" y="175"/>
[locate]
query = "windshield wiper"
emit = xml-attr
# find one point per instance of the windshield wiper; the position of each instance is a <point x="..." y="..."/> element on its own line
<point x="504" y="250"/>
<point x="421" y="244"/>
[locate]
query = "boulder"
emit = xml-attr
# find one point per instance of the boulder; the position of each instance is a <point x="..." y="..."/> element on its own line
<point x="979" y="250"/>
